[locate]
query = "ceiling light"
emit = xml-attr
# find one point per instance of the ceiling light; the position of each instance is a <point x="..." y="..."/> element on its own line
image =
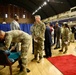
<point x="44" y="3"/>
<point x="36" y="10"/>
<point x="39" y="7"/>
<point x="33" y="13"/>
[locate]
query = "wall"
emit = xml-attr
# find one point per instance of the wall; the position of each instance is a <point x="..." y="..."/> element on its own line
<point x="11" y="10"/>
<point x="21" y="20"/>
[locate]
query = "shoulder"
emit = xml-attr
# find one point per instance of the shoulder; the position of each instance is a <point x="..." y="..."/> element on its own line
<point x="42" y="23"/>
<point x="66" y="29"/>
<point x="7" y="35"/>
<point x="13" y="22"/>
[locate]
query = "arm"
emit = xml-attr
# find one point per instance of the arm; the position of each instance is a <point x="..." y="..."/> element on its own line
<point x="12" y="48"/>
<point x="66" y="34"/>
<point x="8" y="40"/>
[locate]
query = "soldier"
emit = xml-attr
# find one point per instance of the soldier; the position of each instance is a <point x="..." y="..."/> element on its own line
<point x="15" y="26"/>
<point x="65" y="38"/>
<point x="17" y="36"/>
<point x="31" y="29"/>
<point x="38" y="36"/>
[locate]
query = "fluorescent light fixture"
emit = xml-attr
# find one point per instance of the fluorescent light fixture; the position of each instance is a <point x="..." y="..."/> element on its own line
<point x="36" y="10"/>
<point x="39" y="8"/>
<point x="33" y="13"/>
<point x="44" y="3"/>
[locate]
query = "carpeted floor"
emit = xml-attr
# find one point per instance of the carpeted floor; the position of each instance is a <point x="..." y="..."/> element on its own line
<point x="66" y="64"/>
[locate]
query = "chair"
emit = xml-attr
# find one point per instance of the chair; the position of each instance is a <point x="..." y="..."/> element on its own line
<point x="5" y="60"/>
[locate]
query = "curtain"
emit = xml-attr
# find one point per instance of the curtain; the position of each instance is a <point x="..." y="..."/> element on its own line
<point x="24" y="27"/>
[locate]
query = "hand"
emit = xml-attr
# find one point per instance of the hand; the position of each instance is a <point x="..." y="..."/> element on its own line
<point x="35" y="40"/>
<point x="66" y="42"/>
<point x="12" y="48"/>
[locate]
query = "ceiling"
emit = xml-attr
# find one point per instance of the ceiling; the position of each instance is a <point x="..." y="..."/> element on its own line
<point x="52" y="8"/>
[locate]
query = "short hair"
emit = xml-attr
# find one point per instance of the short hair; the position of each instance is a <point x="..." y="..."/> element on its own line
<point x="37" y="16"/>
<point x="66" y="25"/>
<point x="15" y="16"/>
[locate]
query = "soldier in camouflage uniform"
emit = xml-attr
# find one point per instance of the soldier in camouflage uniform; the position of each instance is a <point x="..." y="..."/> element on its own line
<point x="17" y="36"/>
<point x="65" y="38"/>
<point x="38" y="36"/>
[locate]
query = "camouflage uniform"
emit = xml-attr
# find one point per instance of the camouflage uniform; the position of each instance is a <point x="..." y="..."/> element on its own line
<point x="38" y="34"/>
<point x="65" y="39"/>
<point x="15" y="26"/>
<point x="31" y="29"/>
<point x="17" y="36"/>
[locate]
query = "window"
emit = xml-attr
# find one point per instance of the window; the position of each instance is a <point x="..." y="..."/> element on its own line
<point x="23" y="15"/>
<point x="6" y="15"/>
